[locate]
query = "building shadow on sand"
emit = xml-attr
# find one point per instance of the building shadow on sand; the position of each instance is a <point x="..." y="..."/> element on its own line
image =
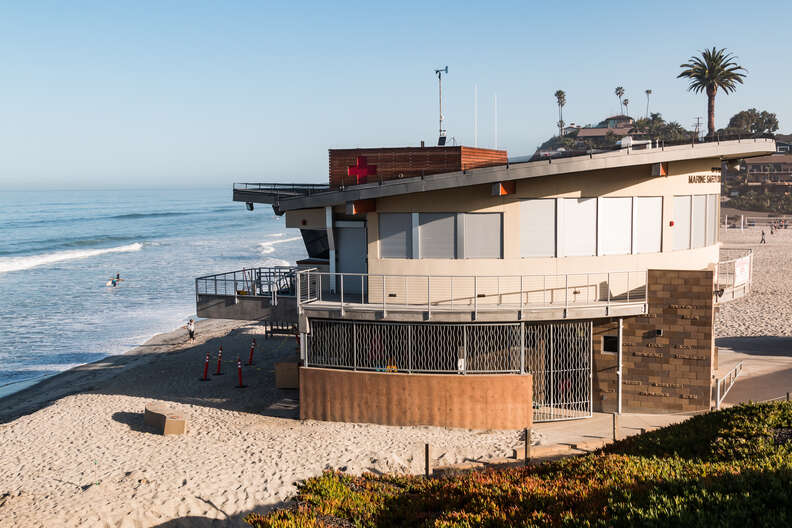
<point x="170" y="370"/>
<point x="757" y="345"/>
<point x="236" y="520"/>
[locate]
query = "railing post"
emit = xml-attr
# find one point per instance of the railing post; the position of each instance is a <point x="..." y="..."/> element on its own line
<point x="544" y="290"/>
<point x="628" y="286"/>
<point x="475" y="296"/>
<point x="354" y="346"/>
<point x="522" y="344"/>
<point x="452" y="292"/>
<point x="608" y="287"/>
<point x="341" y="275"/>
<point x="362" y="290"/>
<point x="299" y="292"/>
<point x="588" y="279"/>
<point x="521" y="296"/>
<point x="428" y="296"/>
<point x="566" y="294"/>
<point x="383" y="295"/>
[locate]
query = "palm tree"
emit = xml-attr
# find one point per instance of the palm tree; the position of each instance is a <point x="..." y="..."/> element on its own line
<point x="648" y="93"/>
<point x="561" y="101"/>
<point x="714" y="69"/>
<point x="625" y="103"/>
<point x="619" y="91"/>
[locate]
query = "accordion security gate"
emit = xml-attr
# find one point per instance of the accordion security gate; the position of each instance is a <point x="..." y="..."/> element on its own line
<point x="558" y="355"/>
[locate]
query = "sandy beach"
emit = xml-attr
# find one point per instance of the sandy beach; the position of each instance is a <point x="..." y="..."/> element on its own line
<point x="74" y="450"/>
<point x="84" y="458"/>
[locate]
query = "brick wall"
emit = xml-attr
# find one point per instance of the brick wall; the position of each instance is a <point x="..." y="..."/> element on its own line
<point x="667" y="373"/>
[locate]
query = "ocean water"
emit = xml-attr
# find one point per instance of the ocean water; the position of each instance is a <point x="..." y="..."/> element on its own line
<point x="58" y="249"/>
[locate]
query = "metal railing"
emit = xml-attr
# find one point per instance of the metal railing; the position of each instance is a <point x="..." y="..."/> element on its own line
<point x="658" y="144"/>
<point x="742" y="221"/>
<point x="267" y="282"/>
<point x="724" y="384"/>
<point x="734" y="275"/>
<point x="473" y="293"/>
<point x="284" y="189"/>
<point x="558" y="355"/>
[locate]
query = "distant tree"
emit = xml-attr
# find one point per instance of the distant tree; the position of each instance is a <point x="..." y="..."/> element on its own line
<point x="752" y="122"/>
<point x="625" y="103"/>
<point x="655" y="127"/>
<point x="648" y="93"/>
<point x="560" y="101"/>
<point x="714" y="69"/>
<point x="619" y="91"/>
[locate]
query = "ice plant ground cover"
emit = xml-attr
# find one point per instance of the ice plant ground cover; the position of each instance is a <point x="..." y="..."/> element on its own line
<point x="724" y="468"/>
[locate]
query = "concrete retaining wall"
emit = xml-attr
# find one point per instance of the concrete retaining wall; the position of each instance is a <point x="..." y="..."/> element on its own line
<point x="446" y="400"/>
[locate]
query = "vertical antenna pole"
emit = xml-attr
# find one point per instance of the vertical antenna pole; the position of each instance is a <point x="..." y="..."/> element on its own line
<point x="440" y="87"/>
<point x="495" y="112"/>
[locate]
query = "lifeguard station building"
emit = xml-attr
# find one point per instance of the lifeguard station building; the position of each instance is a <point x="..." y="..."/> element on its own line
<point x="449" y="286"/>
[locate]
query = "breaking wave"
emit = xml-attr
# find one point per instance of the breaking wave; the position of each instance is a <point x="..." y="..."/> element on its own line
<point x="267" y="248"/>
<point x="22" y="263"/>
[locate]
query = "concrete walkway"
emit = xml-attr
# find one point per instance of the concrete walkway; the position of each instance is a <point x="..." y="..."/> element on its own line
<point x="600" y="427"/>
<point x="767" y="367"/>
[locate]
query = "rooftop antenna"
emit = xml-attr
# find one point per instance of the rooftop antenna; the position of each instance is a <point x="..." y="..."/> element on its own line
<point x="697" y="127"/>
<point x="441" y="140"/>
<point x="495" y="115"/>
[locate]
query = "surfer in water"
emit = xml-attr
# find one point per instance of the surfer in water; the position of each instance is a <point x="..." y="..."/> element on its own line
<point x="114" y="280"/>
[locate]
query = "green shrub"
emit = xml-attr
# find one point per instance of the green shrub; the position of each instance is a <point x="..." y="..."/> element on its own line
<point x="727" y="468"/>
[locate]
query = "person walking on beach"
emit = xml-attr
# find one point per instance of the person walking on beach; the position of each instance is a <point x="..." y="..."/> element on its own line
<point x="191" y="330"/>
<point x="763" y="241"/>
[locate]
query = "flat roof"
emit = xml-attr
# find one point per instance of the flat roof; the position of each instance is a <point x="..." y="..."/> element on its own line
<point x="773" y="158"/>
<point x="627" y="157"/>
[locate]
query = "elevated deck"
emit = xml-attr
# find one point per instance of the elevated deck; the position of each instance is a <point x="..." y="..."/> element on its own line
<point x="470" y="298"/>
<point x="248" y="294"/>
<point x="281" y="293"/>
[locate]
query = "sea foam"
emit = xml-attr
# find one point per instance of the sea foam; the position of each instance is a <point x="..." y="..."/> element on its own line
<point x="31" y="261"/>
<point x="267" y="248"/>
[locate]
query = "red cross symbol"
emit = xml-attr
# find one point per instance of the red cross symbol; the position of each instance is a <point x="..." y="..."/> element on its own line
<point x="362" y="170"/>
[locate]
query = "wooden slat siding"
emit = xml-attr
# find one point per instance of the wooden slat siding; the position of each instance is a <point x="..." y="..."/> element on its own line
<point x="476" y="157"/>
<point x="409" y="162"/>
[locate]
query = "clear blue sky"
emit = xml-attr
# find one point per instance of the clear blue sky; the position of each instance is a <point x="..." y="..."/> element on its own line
<point x="205" y="93"/>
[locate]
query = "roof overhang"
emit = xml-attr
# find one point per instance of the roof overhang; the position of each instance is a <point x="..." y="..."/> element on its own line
<point x="724" y="150"/>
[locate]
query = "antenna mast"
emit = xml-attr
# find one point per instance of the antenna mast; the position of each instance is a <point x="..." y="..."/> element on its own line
<point x="439" y="72"/>
<point x="495" y="116"/>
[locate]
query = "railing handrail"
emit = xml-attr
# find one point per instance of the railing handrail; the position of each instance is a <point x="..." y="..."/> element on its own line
<point x="443" y="297"/>
<point x="516" y="276"/>
<point x="730" y="377"/>
<point x="747" y="251"/>
<point x="265" y="281"/>
<point x="289" y="269"/>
